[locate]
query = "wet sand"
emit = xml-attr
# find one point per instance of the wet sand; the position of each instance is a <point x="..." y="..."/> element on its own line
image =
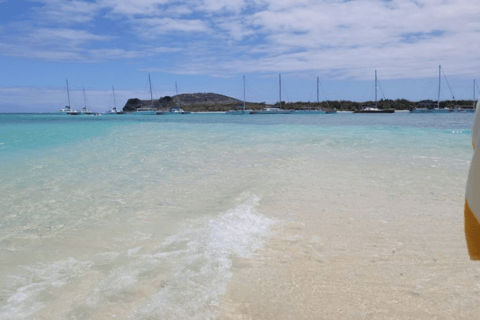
<point x="373" y="242"/>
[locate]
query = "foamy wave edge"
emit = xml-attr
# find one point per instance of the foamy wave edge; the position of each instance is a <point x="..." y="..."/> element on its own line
<point x="186" y="274"/>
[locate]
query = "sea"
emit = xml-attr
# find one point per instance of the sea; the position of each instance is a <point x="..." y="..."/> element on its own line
<point x="147" y="217"/>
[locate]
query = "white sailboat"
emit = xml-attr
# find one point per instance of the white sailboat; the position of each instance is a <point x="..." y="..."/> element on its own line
<point x="375" y="109"/>
<point x="274" y="110"/>
<point x="437" y="108"/>
<point x="114" y="109"/>
<point x="173" y="110"/>
<point x="240" y="109"/>
<point x="68" y="109"/>
<point x="85" y="109"/>
<point x="150" y="110"/>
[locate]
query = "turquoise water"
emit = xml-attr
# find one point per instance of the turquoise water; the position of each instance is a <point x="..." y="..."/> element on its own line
<point x="140" y="216"/>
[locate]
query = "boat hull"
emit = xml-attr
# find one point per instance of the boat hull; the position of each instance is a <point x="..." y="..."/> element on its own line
<point x="238" y="112"/>
<point x="309" y="112"/>
<point x="165" y="113"/>
<point x="144" y="113"/>
<point x="430" y="111"/>
<point x="374" y="111"/>
<point x="278" y="111"/>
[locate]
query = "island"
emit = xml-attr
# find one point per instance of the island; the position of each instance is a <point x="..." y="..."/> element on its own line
<point x="213" y="102"/>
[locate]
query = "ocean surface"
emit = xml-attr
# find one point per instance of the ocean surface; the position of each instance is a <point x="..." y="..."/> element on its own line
<point x="142" y="217"/>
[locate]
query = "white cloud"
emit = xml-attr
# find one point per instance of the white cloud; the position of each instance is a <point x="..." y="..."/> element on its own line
<point x="65" y="37"/>
<point x="52" y="44"/>
<point x="67" y="12"/>
<point x="152" y="27"/>
<point x="28" y="52"/>
<point x="236" y="29"/>
<point x="177" y="10"/>
<point x="165" y="50"/>
<point x="134" y="7"/>
<point x="401" y="36"/>
<point x="96" y="55"/>
<point x="222" y="5"/>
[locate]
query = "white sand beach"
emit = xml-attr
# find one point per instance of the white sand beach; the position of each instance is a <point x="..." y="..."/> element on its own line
<point x="367" y="243"/>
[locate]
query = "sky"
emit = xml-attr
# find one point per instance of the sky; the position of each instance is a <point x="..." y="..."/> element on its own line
<point x="209" y="45"/>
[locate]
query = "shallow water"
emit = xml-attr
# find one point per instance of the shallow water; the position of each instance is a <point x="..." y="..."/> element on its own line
<point x="144" y="216"/>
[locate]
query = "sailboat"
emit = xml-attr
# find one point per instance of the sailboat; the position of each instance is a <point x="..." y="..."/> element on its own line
<point x="431" y="109"/>
<point x="151" y="109"/>
<point x="274" y="110"/>
<point x="68" y="109"/>
<point x="84" y="109"/>
<point x="114" y="109"/>
<point x="174" y="110"/>
<point x="374" y="109"/>
<point x="313" y="111"/>
<point x="240" y="109"/>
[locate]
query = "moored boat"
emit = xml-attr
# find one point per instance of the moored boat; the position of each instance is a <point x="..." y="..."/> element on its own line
<point x="275" y="110"/>
<point x="240" y="109"/>
<point x="429" y="107"/>
<point x="150" y="110"/>
<point x="309" y="111"/>
<point x="68" y="109"/>
<point x="374" y="109"/>
<point x="85" y="110"/>
<point x="114" y="109"/>
<point x="272" y="110"/>
<point x="316" y="110"/>
<point x="173" y="110"/>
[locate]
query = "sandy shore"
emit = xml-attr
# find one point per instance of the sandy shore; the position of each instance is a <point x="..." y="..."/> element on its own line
<point x="369" y="246"/>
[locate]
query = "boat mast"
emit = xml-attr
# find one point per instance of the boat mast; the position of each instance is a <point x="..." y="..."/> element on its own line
<point x="114" y="101"/>
<point x="280" y="88"/>
<point x="176" y="89"/>
<point x="318" y="99"/>
<point x="68" y="95"/>
<point x="375" y="88"/>
<point x="84" y="99"/>
<point x="243" y="93"/>
<point x="439" y="83"/>
<point x="151" y="95"/>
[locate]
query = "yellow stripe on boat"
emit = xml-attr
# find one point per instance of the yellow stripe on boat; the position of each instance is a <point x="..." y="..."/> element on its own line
<point x="472" y="195"/>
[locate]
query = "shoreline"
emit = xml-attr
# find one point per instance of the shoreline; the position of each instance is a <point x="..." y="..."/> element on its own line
<point x="329" y="257"/>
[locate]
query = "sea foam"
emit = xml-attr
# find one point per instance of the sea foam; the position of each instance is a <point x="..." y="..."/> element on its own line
<point x="182" y="277"/>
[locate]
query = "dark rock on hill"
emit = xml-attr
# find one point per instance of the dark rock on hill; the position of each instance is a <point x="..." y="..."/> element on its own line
<point x="132" y="105"/>
<point x="183" y="100"/>
<point x="186" y="99"/>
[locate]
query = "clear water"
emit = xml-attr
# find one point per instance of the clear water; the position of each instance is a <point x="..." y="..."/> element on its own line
<point x="140" y="216"/>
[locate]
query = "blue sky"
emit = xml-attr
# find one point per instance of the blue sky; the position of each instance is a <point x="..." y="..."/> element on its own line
<point x="208" y="45"/>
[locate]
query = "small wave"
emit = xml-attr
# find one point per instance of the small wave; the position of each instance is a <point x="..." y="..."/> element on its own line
<point x="184" y="277"/>
<point x="202" y="270"/>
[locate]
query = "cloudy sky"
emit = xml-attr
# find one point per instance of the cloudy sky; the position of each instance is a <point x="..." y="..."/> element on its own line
<point x="208" y="45"/>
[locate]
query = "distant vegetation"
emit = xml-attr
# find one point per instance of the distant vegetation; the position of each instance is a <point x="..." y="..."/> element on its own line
<point x="196" y="102"/>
